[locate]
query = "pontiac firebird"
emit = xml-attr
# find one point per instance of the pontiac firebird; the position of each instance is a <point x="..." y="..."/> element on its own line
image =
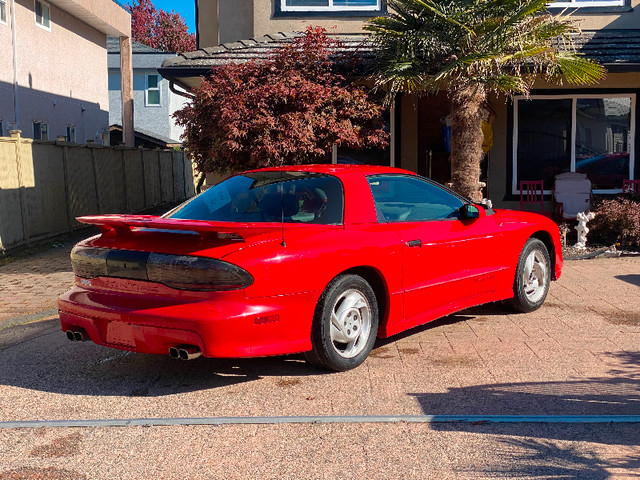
<point x="319" y="259"/>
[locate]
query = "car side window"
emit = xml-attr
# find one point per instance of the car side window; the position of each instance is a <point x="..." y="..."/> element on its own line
<point x="402" y="198"/>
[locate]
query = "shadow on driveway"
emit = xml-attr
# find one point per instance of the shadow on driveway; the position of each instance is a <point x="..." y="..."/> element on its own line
<point x="38" y="357"/>
<point x="632" y="279"/>
<point x="593" y="452"/>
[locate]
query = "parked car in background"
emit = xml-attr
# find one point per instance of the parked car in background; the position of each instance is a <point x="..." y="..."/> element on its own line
<point x="320" y="259"/>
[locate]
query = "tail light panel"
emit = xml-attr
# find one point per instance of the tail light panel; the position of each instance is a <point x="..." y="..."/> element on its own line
<point x="183" y="272"/>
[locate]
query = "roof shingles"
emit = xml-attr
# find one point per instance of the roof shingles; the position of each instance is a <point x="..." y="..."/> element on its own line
<point x="619" y="48"/>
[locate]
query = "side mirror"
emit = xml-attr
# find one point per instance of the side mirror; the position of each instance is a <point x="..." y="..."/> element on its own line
<point x="469" y="212"/>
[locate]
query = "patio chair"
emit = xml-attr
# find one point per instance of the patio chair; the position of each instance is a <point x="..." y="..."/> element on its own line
<point x="532" y="192"/>
<point x="571" y="195"/>
<point x="630" y="186"/>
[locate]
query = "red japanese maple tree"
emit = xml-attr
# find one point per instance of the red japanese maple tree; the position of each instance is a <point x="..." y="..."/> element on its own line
<point x="166" y="31"/>
<point x="288" y="109"/>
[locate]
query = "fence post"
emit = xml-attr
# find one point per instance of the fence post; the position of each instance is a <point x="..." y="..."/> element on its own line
<point x="173" y="179"/>
<point x="15" y="135"/>
<point x="124" y="181"/>
<point x="159" y="174"/>
<point x="144" y="180"/>
<point x="95" y="177"/>
<point x="65" y="173"/>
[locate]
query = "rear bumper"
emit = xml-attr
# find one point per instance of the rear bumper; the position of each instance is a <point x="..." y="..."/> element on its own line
<point x="220" y="324"/>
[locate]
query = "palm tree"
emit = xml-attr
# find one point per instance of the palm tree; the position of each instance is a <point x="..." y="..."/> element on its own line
<point x="471" y="49"/>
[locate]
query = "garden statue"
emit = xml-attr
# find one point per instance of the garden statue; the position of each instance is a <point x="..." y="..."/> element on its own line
<point x="582" y="228"/>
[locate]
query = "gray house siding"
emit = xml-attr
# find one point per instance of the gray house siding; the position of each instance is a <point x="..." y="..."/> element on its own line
<point x="148" y="116"/>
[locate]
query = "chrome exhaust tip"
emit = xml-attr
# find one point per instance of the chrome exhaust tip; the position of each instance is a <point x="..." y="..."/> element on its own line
<point x="174" y="353"/>
<point x="80" y="336"/>
<point x="189" y="353"/>
<point x="70" y="335"/>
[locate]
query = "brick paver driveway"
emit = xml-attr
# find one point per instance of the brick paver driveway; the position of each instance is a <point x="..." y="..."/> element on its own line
<point x="578" y="355"/>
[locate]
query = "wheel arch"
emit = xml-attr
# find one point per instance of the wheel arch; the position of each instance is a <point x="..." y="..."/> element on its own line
<point x="377" y="282"/>
<point x="545" y="237"/>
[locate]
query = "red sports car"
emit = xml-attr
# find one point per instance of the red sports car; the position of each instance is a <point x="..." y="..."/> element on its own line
<point x="318" y="259"/>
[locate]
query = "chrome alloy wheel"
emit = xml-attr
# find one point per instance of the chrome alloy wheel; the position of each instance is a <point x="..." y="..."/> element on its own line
<point x="534" y="276"/>
<point x="350" y="323"/>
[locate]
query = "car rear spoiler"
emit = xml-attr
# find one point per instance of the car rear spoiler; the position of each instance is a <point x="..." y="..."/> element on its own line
<point x="126" y="224"/>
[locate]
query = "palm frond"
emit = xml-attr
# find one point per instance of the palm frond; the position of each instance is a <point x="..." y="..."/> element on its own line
<point x="577" y="69"/>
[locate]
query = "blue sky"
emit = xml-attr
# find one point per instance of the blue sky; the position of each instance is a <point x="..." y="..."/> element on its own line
<point x="186" y="8"/>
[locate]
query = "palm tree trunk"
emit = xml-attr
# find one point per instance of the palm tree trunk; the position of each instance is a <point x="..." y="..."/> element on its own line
<point x="466" y="140"/>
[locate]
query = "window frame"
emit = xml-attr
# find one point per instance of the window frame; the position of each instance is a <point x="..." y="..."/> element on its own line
<point x="48" y="18"/>
<point x="582" y="4"/>
<point x="147" y="90"/>
<point x="281" y="9"/>
<point x="382" y="219"/>
<point x="4" y="21"/>
<point x="515" y="188"/>
<point x="41" y="130"/>
<point x="71" y="133"/>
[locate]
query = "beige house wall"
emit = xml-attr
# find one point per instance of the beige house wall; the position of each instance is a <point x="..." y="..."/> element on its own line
<point x="69" y="60"/>
<point x="222" y="21"/>
<point x="613" y="20"/>
<point x="60" y="72"/>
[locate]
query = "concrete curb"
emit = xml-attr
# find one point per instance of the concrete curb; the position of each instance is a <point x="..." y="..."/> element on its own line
<point x="213" y="421"/>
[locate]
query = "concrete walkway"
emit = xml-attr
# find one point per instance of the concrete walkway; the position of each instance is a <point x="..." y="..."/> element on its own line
<point x="578" y="355"/>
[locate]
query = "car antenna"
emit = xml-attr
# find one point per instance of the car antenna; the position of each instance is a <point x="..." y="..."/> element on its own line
<point x="283" y="243"/>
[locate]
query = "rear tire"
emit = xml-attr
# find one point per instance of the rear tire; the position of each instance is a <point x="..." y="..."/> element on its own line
<point x="345" y="324"/>
<point x="533" y="274"/>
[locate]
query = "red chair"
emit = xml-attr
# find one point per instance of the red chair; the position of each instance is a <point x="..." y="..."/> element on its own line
<point x="630" y="186"/>
<point x="532" y="192"/>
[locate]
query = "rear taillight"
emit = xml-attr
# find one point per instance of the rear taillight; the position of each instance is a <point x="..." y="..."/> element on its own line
<point x="196" y="273"/>
<point x="89" y="262"/>
<point x="185" y="272"/>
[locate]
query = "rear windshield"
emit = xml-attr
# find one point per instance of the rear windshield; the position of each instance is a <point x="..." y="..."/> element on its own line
<point x="292" y="197"/>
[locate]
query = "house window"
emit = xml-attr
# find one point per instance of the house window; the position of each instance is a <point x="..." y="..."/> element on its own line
<point x="43" y="14"/>
<point x="40" y="131"/>
<point x="329" y="5"/>
<point x="591" y="134"/>
<point x="152" y="93"/>
<point x="71" y="133"/>
<point x="587" y="3"/>
<point x="3" y="11"/>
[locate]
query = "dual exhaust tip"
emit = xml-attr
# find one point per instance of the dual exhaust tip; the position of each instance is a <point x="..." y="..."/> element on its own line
<point x="185" y="352"/>
<point x="182" y="352"/>
<point x="77" y="335"/>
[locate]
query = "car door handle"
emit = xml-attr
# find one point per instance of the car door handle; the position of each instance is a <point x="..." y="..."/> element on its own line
<point x="414" y="243"/>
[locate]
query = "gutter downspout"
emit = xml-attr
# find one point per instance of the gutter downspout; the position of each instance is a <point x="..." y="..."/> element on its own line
<point x="16" y="103"/>
<point x="173" y="88"/>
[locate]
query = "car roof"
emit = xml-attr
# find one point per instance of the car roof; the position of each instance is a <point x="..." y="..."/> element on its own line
<point x="336" y="169"/>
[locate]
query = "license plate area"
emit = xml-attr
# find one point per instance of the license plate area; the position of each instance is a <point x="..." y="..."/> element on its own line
<point x="120" y="333"/>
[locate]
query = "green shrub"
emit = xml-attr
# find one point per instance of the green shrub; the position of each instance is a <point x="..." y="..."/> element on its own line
<point x="617" y="222"/>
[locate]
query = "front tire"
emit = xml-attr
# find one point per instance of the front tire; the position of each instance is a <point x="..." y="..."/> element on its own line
<point x="533" y="275"/>
<point x="345" y="324"/>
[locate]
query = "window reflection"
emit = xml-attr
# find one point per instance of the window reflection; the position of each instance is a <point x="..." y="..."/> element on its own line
<point x="603" y="129"/>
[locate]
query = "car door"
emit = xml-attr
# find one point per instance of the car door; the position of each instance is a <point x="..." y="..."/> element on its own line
<point x="447" y="259"/>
